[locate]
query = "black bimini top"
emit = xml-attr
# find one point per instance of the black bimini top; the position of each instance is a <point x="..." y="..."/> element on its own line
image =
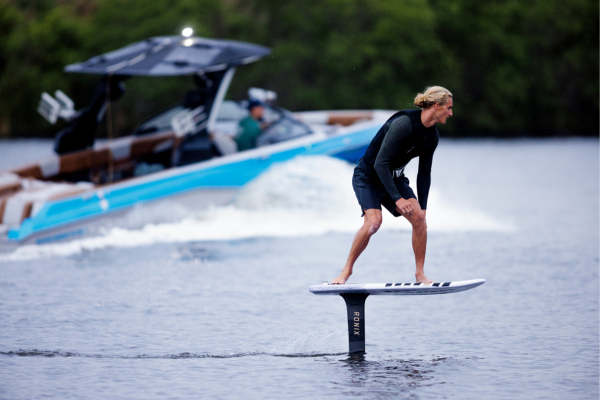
<point x="170" y="56"/>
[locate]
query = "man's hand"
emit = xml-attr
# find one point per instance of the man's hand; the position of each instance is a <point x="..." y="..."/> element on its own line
<point x="405" y="207"/>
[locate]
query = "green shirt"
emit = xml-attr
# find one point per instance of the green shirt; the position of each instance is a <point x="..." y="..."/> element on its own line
<point x="249" y="131"/>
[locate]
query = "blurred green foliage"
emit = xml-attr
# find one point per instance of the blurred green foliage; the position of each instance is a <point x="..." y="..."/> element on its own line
<point x="526" y="67"/>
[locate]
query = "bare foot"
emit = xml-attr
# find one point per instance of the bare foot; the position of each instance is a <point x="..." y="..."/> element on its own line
<point x="341" y="278"/>
<point x="423" y="279"/>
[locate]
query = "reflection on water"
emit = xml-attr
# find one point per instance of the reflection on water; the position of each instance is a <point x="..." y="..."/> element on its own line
<point x="386" y="377"/>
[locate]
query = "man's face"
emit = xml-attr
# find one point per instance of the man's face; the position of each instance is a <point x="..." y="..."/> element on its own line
<point x="442" y="113"/>
<point x="257" y="112"/>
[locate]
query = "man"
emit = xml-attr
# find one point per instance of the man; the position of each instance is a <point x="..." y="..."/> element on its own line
<point x="249" y="127"/>
<point x="379" y="176"/>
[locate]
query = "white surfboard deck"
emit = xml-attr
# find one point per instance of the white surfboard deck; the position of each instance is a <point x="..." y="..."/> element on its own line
<point x="402" y="289"/>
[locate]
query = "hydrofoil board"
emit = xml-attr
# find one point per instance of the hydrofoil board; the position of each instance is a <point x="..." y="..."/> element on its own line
<point x="402" y="289"/>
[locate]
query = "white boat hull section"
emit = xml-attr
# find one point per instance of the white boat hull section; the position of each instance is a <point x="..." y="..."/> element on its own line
<point x="398" y="289"/>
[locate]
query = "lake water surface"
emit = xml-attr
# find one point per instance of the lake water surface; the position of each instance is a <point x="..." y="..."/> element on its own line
<point x="215" y="303"/>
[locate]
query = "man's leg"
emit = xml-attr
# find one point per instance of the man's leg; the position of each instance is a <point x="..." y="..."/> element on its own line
<point x="419" y="238"/>
<point x="371" y="224"/>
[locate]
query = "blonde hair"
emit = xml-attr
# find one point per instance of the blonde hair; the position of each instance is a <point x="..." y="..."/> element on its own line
<point x="432" y="95"/>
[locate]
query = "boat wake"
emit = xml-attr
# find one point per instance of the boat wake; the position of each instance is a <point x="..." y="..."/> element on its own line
<point x="301" y="197"/>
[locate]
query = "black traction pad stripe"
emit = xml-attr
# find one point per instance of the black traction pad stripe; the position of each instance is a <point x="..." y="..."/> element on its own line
<point x="446" y="283"/>
<point x="436" y="284"/>
<point x="388" y="284"/>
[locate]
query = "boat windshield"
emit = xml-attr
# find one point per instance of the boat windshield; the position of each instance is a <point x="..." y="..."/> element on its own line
<point x="162" y="122"/>
<point x="235" y="111"/>
<point x="282" y="130"/>
<point x="231" y="111"/>
<point x="228" y="117"/>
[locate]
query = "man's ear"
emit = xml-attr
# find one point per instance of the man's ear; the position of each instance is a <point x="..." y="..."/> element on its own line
<point x="437" y="106"/>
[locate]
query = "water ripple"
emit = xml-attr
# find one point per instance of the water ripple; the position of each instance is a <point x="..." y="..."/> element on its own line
<point x="184" y="355"/>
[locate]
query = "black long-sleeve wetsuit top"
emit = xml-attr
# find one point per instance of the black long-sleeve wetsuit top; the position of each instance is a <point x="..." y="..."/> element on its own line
<point x="402" y="138"/>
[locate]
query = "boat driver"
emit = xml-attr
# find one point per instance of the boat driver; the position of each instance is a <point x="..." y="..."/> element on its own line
<point x="379" y="176"/>
<point x="250" y="127"/>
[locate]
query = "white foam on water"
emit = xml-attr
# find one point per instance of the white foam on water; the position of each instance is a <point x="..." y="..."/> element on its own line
<point x="304" y="196"/>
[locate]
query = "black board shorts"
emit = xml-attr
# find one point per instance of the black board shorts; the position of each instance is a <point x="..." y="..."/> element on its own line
<point x="372" y="194"/>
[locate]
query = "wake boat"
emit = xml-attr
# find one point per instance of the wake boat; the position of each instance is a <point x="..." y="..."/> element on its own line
<point x="186" y="152"/>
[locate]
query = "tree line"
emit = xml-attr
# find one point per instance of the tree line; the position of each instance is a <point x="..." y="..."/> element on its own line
<point x="515" y="67"/>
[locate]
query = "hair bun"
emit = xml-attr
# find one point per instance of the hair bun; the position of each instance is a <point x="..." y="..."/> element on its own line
<point x="420" y="100"/>
<point x="432" y="95"/>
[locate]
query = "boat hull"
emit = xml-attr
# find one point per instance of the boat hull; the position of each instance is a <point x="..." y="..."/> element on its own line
<point x="55" y="220"/>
